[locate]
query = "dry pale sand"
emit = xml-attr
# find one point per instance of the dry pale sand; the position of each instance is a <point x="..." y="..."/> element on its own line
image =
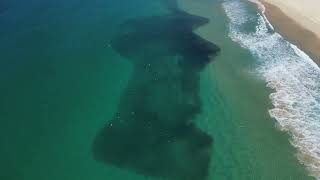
<point x="298" y="21"/>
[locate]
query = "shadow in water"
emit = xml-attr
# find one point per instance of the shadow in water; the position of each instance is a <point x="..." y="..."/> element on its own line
<point x="152" y="132"/>
<point x="3" y="9"/>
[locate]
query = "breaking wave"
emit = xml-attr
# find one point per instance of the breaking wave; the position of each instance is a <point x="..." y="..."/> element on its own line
<point x="293" y="76"/>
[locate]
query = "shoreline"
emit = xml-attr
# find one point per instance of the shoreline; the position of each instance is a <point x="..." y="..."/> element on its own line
<point x="302" y="31"/>
<point x="260" y="6"/>
<point x="293" y="31"/>
<point x="231" y="75"/>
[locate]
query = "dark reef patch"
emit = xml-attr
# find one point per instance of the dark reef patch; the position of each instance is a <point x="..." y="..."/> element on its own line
<point x="152" y="132"/>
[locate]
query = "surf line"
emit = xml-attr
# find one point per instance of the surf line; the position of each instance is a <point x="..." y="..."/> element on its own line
<point x="260" y="6"/>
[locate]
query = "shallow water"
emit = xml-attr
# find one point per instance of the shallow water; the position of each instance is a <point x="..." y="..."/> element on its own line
<point x="255" y="148"/>
<point x="152" y="131"/>
<point x="292" y="75"/>
<point x="70" y="69"/>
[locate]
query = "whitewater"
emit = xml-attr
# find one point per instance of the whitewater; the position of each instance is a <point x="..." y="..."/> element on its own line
<point x="290" y="73"/>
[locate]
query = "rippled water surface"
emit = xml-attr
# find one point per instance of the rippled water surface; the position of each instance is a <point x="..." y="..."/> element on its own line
<point x="147" y="90"/>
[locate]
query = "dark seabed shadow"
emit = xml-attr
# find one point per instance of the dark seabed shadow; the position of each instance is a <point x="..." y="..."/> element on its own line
<point x="3" y="8"/>
<point x="152" y="132"/>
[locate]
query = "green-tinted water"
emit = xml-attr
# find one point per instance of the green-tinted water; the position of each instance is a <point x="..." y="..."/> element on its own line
<point x="247" y="143"/>
<point x="61" y="81"/>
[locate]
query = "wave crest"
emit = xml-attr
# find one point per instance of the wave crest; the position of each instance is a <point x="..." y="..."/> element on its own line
<point x="293" y="76"/>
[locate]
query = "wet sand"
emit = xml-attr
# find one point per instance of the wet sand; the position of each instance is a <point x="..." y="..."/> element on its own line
<point x="246" y="143"/>
<point x="260" y="6"/>
<point x="297" y="21"/>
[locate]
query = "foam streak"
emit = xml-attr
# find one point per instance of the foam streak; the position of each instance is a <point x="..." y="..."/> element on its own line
<point x="292" y="75"/>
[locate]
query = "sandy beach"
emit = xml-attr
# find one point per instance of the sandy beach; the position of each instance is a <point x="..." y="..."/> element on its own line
<point x="260" y="6"/>
<point x="298" y="21"/>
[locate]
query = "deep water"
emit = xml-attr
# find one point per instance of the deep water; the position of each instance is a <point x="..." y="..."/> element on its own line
<point x="68" y="67"/>
<point x="130" y="90"/>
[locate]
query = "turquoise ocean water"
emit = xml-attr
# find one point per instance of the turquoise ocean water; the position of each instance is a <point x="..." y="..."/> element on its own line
<point x="136" y="90"/>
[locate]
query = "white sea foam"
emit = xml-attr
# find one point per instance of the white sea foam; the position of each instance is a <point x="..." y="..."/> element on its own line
<point x="293" y="76"/>
<point x="261" y="7"/>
